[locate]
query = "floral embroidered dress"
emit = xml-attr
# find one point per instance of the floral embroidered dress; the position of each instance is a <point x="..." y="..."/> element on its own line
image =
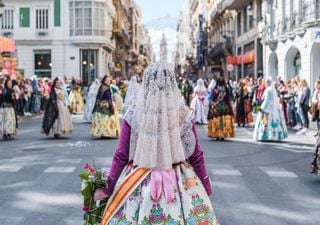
<point x="220" y="114"/>
<point x="76" y="100"/>
<point x="270" y="124"/>
<point x="105" y="121"/>
<point x="172" y="192"/>
<point x="8" y="121"/>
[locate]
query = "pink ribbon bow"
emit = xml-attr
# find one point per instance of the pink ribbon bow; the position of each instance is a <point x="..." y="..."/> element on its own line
<point x="163" y="181"/>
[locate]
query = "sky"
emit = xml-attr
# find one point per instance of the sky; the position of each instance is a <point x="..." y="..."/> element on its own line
<point x="161" y="16"/>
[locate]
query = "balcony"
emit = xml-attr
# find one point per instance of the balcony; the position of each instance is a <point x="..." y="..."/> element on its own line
<point x="234" y="4"/>
<point x="221" y="49"/>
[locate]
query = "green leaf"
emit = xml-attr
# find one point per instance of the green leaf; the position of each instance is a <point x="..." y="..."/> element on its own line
<point x="84" y="175"/>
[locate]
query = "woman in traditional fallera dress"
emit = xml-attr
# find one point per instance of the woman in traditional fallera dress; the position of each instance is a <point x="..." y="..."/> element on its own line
<point x="242" y="109"/>
<point x="8" y="116"/>
<point x="220" y="114"/>
<point x="91" y="99"/>
<point x="57" y="118"/>
<point x="270" y="124"/>
<point x="158" y="174"/>
<point x="200" y="103"/>
<point x="75" y="99"/>
<point x="105" y="120"/>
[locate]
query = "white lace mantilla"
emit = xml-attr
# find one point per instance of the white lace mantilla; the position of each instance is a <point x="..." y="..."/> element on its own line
<point x="161" y="125"/>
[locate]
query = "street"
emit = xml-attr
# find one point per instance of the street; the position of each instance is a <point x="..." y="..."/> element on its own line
<point x="254" y="183"/>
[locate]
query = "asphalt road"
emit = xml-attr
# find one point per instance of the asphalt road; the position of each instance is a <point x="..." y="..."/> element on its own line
<point x="254" y="183"/>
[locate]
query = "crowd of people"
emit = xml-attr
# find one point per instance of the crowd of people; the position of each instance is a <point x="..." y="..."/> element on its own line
<point x="217" y="103"/>
<point x="158" y="142"/>
<point x="220" y="104"/>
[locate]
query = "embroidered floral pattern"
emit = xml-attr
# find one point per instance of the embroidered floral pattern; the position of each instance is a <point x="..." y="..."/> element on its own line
<point x="190" y="182"/>
<point x="200" y="214"/>
<point x="158" y="217"/>
<point x="120" y="219"/>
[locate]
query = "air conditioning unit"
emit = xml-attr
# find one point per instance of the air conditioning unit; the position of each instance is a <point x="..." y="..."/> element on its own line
<point x="42" y="33"/>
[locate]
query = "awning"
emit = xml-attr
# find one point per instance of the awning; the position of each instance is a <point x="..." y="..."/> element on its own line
<point x="7" y="45"/>
<point x="248" y="57"/>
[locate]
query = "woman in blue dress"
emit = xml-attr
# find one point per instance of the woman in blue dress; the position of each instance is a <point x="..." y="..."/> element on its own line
<point x="270" y="124"/>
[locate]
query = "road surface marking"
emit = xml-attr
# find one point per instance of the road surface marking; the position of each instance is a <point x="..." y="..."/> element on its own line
<point x="71" y="161"/>
<point x="226" y="172"/>
<point x="54" y="169"/>
<point x="10" y="168"/>
<point x="278" y="172"/>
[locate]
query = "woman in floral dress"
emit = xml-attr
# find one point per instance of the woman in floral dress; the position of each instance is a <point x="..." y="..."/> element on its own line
<point x="105" y="120"/>
<point x="8" y="116"/>
<point x="220" y="114"/>
<point x="270" y="124"/>
<point x="158" y="174"/>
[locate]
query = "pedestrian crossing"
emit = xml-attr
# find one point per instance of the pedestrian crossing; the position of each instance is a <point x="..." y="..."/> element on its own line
<point x="68" y="166"/>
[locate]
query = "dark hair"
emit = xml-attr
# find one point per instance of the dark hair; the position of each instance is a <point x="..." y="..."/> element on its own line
<point x="54" y="83"/>
<point x="104" y="79"/>
<point x="6" y="83"/>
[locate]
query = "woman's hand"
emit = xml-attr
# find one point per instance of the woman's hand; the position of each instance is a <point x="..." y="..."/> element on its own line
<point x="99" y="195"/>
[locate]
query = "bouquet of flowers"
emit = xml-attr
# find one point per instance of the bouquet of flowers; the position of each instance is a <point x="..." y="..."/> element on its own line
<point x="92" y="179"/>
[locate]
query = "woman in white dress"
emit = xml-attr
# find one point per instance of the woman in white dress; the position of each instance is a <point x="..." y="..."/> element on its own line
<point x="200" y="103"/>
<point x="91" y="100"/>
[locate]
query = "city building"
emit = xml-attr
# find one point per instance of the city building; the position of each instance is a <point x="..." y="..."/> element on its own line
<point x="248" y="50"/>
<point x="163" y="49"/>
<point x="292" y="39"/>
<point x="61" y="38"/>
<point x="221" y="40"/>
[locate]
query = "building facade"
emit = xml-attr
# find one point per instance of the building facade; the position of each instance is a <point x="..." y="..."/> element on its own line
<point x="58" y="38"/>
<point x="292" y="39"/>
<point x="221" y="40"/>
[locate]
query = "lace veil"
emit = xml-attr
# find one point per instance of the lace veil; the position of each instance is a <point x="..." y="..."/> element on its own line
<point x="161" y="125"/>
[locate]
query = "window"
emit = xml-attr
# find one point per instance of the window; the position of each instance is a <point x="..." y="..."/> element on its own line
<point x="7" y="19"/>
<point x="24" y="17"/>
<point x="42" y="19"/>
<point x="239" y="23"/>
<point x="42" y="63"/>
<point x="87" y="18"/>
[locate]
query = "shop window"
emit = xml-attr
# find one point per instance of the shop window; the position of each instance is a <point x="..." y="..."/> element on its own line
<point x="297" y="64"/>
<point x="42" y="63"/>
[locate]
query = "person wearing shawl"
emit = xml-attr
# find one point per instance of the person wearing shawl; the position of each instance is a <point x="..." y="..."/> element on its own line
<point x="57" y="118"/>
<point x="270" y="124"/>
<point x="158" y="174"/>
<point x="242" y="108"/>
<point x="200" y="103"/>
<point x="75" y="99"/>
<point x="8" y="115"/>
<point x="132" y="93"/>
<point x="91" y="99"/>
<point x="105" y="120"/>
<point x="220" y="114"/>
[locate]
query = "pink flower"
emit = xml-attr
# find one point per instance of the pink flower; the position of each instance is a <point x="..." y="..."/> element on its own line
<point x="86" y="208"/>
<point x="89" y="168"/>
